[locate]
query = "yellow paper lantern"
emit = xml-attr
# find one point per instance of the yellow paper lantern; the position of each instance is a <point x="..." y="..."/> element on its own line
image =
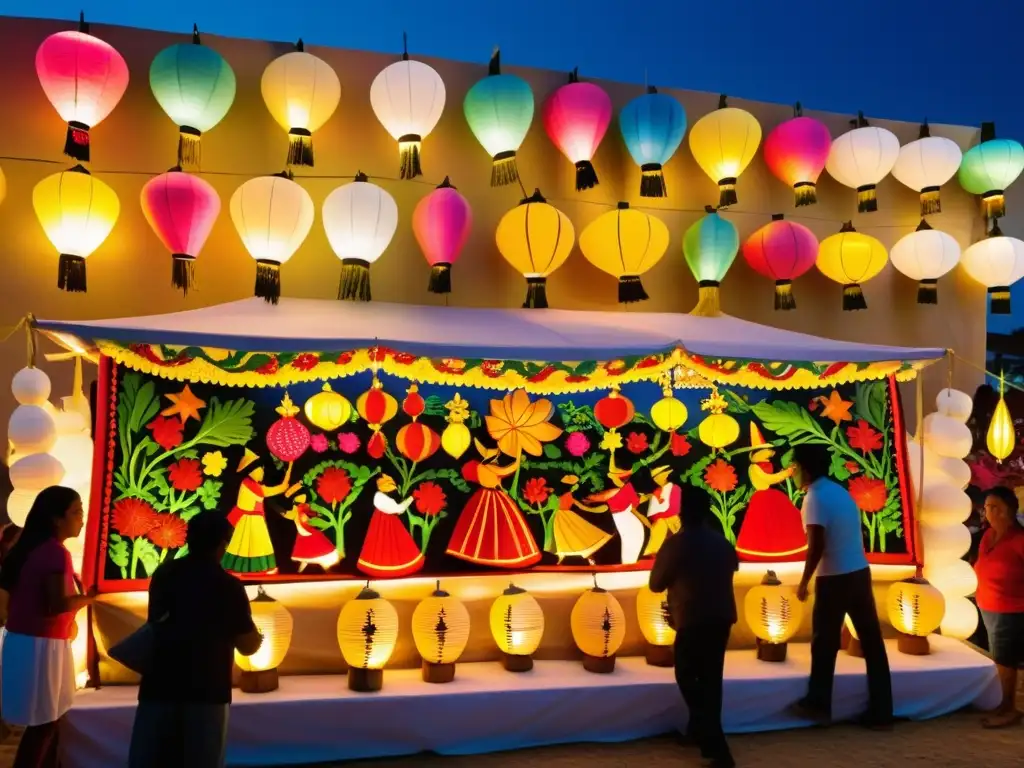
<point x="719" y="429"/>
<point x="598" y="627"/>
<point x="652" y="613"/>
<point x="1002" y="437"/>
<point x="77" y="212"/>
<point x="851" y="258"/>
<point x="536" y="239"/>
<point x="774" y="615"/>
<point x="367" y="633"/>
<point x="915" y="611"/>
<point x="668" y="414"/>
<point x="517" y="625"/>
<point x="328" y="409"/>
<point x="440" y="629"/>
<point x="625" y="243"/>
<point x="723" y="143"/>
<point x="274" y="623"/>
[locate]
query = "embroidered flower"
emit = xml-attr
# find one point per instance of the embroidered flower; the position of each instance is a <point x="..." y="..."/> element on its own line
<point x="536" y="491"/>
<point x="519" y="425"/>
<point x="720" y="476"/>
<point x="636" y="442"/>
<point x="611" y="440"/>
<point x="577" y="444"/>
<point x="333" y="485"/>
<point x="169" y="532"/>
<point x="318" y="443"/>
<point x="679" y="445"/>
<point x="348" y="442"/>
<point x="869" y="494"/>
<point x="214" y="463"/>
<point x="307" y="361"/>
<point x="429" y="499"/>
<point x="134" y="517"/>
<point x="167" y="433"/>
<point x="863" y="438"/>
<point x="185" y="475"/>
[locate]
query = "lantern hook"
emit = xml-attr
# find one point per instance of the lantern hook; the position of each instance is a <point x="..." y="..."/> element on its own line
<point x="83" y="25"/>
<point x="722" y="101"/>
<point x="798" y="111"/>
<point x="405" y="47"/>
<point x="195" y="35"/>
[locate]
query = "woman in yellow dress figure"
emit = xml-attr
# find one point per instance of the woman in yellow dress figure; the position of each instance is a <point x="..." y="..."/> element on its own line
<point x="663" y="509"/>
<point x="250" y="550"/>
<point x="571" y="535"/>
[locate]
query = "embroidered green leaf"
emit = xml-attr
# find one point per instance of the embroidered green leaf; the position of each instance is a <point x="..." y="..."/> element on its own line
<point x="838" y="468"/>
<point x="191" y="512"/>
<point x="226" y="424"/>
<point x="181" y="552"/>
<point x="870" y="403"/>
<point x="788" y="420"/>
<point x="118" y="552"/>
<point x="552" y="451"/>
<point x="147" y="554"/>
<point x="209" y="493"/>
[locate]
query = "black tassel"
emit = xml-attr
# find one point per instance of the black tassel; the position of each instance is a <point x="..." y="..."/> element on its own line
<point x="300" y="147"/>
<point x="268" y="280"/>
<point x="652" y="181"/>
<point x="928" y="292"/>
<point x="866" y="200"/>
<point x="504" y="171"/>
<point x="930" y="202"/>
<point x="586" y="176"/>
<point x="784" y="298"/>
<point x="999" y="299"/>
<point x="536" y="293"/>
<point x="71" y="273"/>
<point x="409" y="152"/>
<point x="727" y="192"/>
<point x="355" y="280"/>
<point x="994" y="204"/>
<point x="440" y="278"/>
<point x="631" y="289"/>
<point x="183" y="271"/>
<point x="806" y="193"/>
<point x="853" y="298"/>
<point x="190" y="150"/>
<point x="76" y="143"/>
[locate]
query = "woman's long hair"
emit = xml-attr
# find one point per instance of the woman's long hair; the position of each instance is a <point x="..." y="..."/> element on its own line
<point x="41" y="524"/>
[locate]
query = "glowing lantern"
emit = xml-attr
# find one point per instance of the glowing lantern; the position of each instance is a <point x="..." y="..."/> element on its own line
<point x="440" y="629"/>
<point x="287" y="437"/>
<point x="441" y="222"/>
<point x="77" y="211"/>
<point x="367" y="633"/>
<point x="668" y="413"/>
<point x="181" y="209"/>
<point x="915" y="611"/>
<point x="653" y="126"/>
<point x="796" y="151"/>
<point x="456" y="436"/>
<point x="273" y="215"/>
<point x="925" y="165"/>
<point x="360" y="219"/>
<point x="576" y="117"/>
<point x="997" y="262"/>
<point x="710" y="246"/>
<point x="723" y="144"/>
<point x="31" y="429"/>
<point x="195" y="86"/>
<point x="499" y="110"/>
<point x="598" y="627"/>
<point x="31" y="386"/>
<point x="328" y="409"/>
<point x="782" y="251"/>
<point x="652" y="613"/>
<point x="1001" y="438"/>
<point x="517" y="625"/>
<point x="84" y="78"/>
<point x="625" y="243"/>
<point x="990" y="167"/>
<point x="925" y="255"/>
<point x="535" y="238"/>
<point x="851" y="258"/>
<point x="774" y="615"/>
<point x="274" y="622"/>
<point x="718" y="429"/>
<point x="861" y="158"/>
<point x="301" y="91"/>
<point x="376" y="407"/>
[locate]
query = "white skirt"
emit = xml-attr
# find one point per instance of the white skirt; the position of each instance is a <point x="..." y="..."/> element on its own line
<point x="37" y="679"/>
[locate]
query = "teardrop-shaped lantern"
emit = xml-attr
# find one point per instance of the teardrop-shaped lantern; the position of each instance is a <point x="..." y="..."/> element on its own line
<point x="360" y="219"/>
<point x="576" y="117"/>
<point x="77" y="211"/>
<point x="861" y="158"/>
<point x="723" y="144"/>
<point x="181" y="209"/>
<point x="990" y="167"/>
<point x="195" y="86"/>
<point x="997" y="262"/>
<point x="796" y="152"/>
<point x="782" y="251"/>
<point x="273" y="216"/>
<point x="302" y="92"/>
<point x="84" y="78"/>
<point x="499" y="110"/>
<point x="925" y="255"/>
<point x="1001" y="438"/>
<point x="536" y="239"/>
<point x="625" y="243"/>
<point x="851" y="258"/>
<point x="925" y="165"/>
<point x="408" y="99"/>
<point x="653" y="126"/>
<point x="710" y="246"/>
<point x="441" y="222"/>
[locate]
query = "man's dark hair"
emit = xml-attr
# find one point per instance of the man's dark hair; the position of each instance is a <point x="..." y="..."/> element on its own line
<point x="696" y="507"/>
<point x="813" y="460"/>
<point x="207" y="532"/>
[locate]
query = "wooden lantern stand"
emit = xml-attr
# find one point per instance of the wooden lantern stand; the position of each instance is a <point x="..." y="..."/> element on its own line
<point x="660" y="655"/>
<point x="599" y="665"/>
<point x="365" y="680"/>
<point x="262" y="681"/>
<point x="438" y="673"/>
<point x="912" y="645"/>
<point x="773" y="652"/>
<point x="517" y="663"/>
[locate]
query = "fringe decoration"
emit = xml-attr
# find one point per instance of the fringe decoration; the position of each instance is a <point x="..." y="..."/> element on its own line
<point x="784" y="298"/>
<point x="440" y="278"/>
<point x="994" y="204"/>
<point x="999" y="299"/>
<point x="409" y="153"/>
<point x="708" y="301"/>
<point x="355" y="280"/>
<point x="866" y="200"/>
<point x="190" y="150"/>
<point x="631" y="289"/>
<point x="76" y="143"/>
<point x="930" y="202"/>
<point x="300" y="147"/>
<point x="806" y="193"/>
<point x="71" y="274"/>
<point x="536" y="293"/>
<point x="268" y="280"/>
<point x="727" y="192"/>
<point x="183" y="271"/>
<point x="504" y="171"/>
<point x="928" y="292"/>
<point x="652" y="181"/>
<point x="586" y="176"/>
<point x="853" y="298"/>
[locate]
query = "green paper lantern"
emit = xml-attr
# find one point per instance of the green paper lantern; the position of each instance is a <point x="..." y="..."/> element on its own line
<point x="990" y="167"/>
<point x="710" y="247"/>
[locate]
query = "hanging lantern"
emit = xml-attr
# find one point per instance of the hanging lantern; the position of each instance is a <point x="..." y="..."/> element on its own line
<point x="181" y="209"/>
<point x="84" y="78"/>
<point x="376" y="407"/>
<point x="655" y="620"/>
<point x="273" y="215"/>
<point x="576" y="117"/>
<point x="851" y="258"/>
<point x="861" y="158"/>
<point x="499" y="110"/>
<point x="723" y="144"/>
<point x="668" y="414"/>
<point x="997" y="262"/>
<point x="367" y="633"/>
<point x="77" y="212"/>
<point x="782" y="251"/>
<point x="535" y="238"/>
<point x="925" y="165"/>
<point x="301" y="91"/>
<point x="440" y="629"/>
<point x="710" y="246"/>
<point x="925" y="255"/>
<point x="441" y="222"/>
<point x="287" y="437"/>
<point x="417" y="442"/>
<point x="718" y="429"/>
<point x="625" y="243"/>
<point x="614" y="411"/>
<point x="653" y="126"/>
<point x="31" y="386"/>
<point x="774" y="615"/>
<point x="195" y="86"/>
<point x="796" y="151"/>
<point x="989" y="168"/>
<point x="456" y="436"/>
<point x="517" y="625"/>
<point x="1002" y="437"/>
<point x="413" y="405"/>
<point x="328" y="409"/>
<point x="915" y="611"/>
<point x="598" y="626"/>
<point x="360" y="219"/>
<point x="274" y="623"/>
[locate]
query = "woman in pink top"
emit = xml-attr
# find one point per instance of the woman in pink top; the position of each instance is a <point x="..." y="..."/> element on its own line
<point x="37" y="683"/>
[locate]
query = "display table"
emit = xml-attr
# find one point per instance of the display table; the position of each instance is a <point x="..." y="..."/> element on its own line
<point x="316" y="719"/>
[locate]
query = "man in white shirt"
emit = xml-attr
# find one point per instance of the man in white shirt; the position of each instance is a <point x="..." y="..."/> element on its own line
<point x="835" y="549"/>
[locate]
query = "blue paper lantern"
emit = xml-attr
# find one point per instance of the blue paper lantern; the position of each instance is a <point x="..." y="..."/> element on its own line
<point x="653" y="126"/>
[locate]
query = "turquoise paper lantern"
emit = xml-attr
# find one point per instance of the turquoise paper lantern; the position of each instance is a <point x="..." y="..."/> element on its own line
<point x="653" y="126"/>
<point x="989" y="168"/>
<point x="710" y="247"/>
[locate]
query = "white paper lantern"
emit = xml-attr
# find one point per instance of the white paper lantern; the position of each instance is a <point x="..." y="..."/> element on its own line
<point x="961" y="618"/>
<point x="943" y="503"/>
<point x="69" y="423"/>
<point x="36" y="472"/>
<point x="954" y="578"/>
<point x="18" y="505"/>
<point x="997" y="262"/>
<point x="955" y="404"/>
<point x="925" y="165"/>
<point x="75" y="453"/>
<point x="861" y="158"/>
<point x="31" y="386"/>
<point x="944" y="543"/>
<point x="942" y="469"/>
<point x="947" y="437"/>
<point x="31" y="429"/>
<point x="925" y="255"/>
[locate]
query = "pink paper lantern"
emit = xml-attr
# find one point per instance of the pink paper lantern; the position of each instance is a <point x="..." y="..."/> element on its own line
<point x="441" y="223"/>
<point x="796" y="151"/>
<point x="181" y="209"/>
<point x="782" y="250"/>
<point x="576" y="117"/>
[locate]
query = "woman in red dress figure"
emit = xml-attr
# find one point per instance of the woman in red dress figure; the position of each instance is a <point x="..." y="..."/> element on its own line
<point x="772" y="529"/>
<point x="311" y="546"/>
<point x="389" y="550"/>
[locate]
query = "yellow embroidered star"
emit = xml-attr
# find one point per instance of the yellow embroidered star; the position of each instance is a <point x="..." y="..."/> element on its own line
<point x="184" y="404"/>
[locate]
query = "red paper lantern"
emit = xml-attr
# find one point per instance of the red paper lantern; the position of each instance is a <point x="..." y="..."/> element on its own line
<point x="413" y="405"/>
<point x="576" y="117"/>
<point x="782" y="250"/>
<point x="615" y="410"/>
<point x="287" y="437"/>
<point x="441" y="222"/>
<point x="376" y="407"/>
<point x="417" y="442"/>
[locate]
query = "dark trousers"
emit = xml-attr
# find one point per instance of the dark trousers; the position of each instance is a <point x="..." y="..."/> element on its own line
<point x="834" y="597"/>
<point x="700" y="666"/>
<point x="172" y="735"/>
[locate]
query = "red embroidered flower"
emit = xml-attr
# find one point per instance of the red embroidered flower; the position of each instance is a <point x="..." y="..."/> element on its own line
<point x="269" y="368"/>
<point x="307" y="361"/>
<point x="333" y="485"/>
<point x="169" y="532"/>
<point x="429" y="498"/>
<point x="813" y="405"/>
<point x="863" y="438"/>
<point x="720" y="476"/>
<point x="679" y="445"/>
<point x="852" y="467"/>
<point x="636" y="442"/>
<point x="536" y="491"/>
<point x="404" y="358"/>
<point x="344" y="358"/>
<point x="134" y="517"/>
<point x="868" y="493"/>
<point x="319" y="443"/>
<point x="491" y="368"/>
<point x="167" y="432"/>
<point x="185" y="475"/>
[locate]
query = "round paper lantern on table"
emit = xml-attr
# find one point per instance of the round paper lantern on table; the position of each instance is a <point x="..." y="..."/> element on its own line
<point x="925" y="255"/>
<point x="499" y="110"/>
<point x="625" y="243"/>
<point x="328" y="409"/>
<point x="440" y="629"/>
<point x="576" y="117"/>
<point x="782" y="251"/>
<point x="535" y="238"/>
<point x="710" y="246"/>
<point x="723" y="144"/>
<point x="367" y="633"/>
<point x="287" y="438"/>
<point x="598" y="627"/>
<point x="861" y="158"/>
<point x="796" y="152"/>
<point x="517" y="625"/>
<point x="997" y="262"/>
<point x="652" y="613"/>
<point x="915" y="611"/>
<point x="274" y="622"/>
<point x="851" y="258"/>
<point x="989" y="168"/>
<point x="653" y="126"/>
<point x="774" y="615"/>
<point x="925" y="165"/>
<point x="441" y="223"/>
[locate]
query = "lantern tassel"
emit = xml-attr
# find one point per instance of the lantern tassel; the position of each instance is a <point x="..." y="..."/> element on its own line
<point x="586" y="176"/>
<point x="504" y="171"/>
<point x="999" y="299"/>
<point x="853" y="298"/>
<point x="708" y="301"/>
<point x="928" y="292"/>
<point x="409" y="153"/>
<point x="784" y="298"/>
<point x="631" y="289"/>
<point x="71" y="274"/>
<point x="866" y="199"/>
<point x="183" y="271"/>
<point x="76" y="143"/>
<point x="727" y="192"/>
<point x="190" y="150"/>
<point x="440" y="278"/>
<point x="300" y="147"/>
<point x="268" y="280"/>
<point x="355" y="280"/>
<point x="652" y="181"/>
<point x="994" y="204"/>
<point x="536" y="293"/>
<point x="930" y="202"/>
<point x="806" y="193"/>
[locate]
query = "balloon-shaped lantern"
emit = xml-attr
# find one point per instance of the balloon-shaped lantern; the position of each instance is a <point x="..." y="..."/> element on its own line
<point x="84" y="78"/>
<point x="441" y="222"/>
<point x="796" y="151"/>
<point x="301" y="91"/>
<point x="710" y="246"/>
<point x="990" y="167"/>
<point x="77" y="211"/>
<point x="625" y="243"/>
<point x="723" y="144"/>
<point x="499" y="110"/>
<point x="360" y="219"/>
<point x="925" y="165"/>
<point x="925" y="255"/>
<point x="782" y="251"/>
<point x="851" y="258"/>
<point x="376" y="407"/>
<point x="535" y="238"/>
<point x="997" y="262"/>
<point x="195" y="86"/>
<point x="1001" y="438"/>
<point x="181" y="209"/>
<point x="273" y="215"/>
<point x="653" y="126"/>
<point x="861" y="158"/>
<point x="408" y="99"/>
<point x="576" y="117"/>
